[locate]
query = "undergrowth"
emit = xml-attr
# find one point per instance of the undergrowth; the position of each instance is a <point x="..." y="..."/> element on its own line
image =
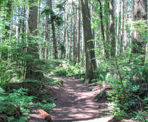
<point x="18" y="96"/>
<point x="16" y="105"/>
<point x="128" y="94"/>
<point x="67" y="69"/>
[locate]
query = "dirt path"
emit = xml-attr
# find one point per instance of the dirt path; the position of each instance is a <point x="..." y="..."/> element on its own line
<point x="76" y="102"/>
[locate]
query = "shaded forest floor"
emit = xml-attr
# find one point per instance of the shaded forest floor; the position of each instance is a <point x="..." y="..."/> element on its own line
<point x="75" y="102"/>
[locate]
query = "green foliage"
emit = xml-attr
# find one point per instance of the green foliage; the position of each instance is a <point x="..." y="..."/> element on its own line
<point x="101" y="72"/>
<point x="16" y="105"/>
<point x="9" y="72"/>
<point x="126" y="76"/>
<point x="54" y="17"/>
<point x="125" y="100"/>
<point x="13" y="61"/>
<point x="47" y="11"/>
<point x="67" y="69"/>
<point x="45" y="105"/>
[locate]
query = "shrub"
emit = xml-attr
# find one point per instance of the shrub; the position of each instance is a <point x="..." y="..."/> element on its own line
<point x="67" y="69"/>
<point x="15" y="106"/>
<point x="127" y="78"/>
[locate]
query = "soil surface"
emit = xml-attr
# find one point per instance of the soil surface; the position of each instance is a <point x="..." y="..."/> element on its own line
<point x="75" y="102"/>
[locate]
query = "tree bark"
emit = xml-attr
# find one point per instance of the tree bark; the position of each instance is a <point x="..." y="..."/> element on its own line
<point x="105" y="43"/>
<point x="79" y="33"/>
<point x="122" y="26"/>
<point x="55" y="50"/>
<point x="112" y="29"/>
<point x="4" y="53"/>
<point x="74" y="38"/>
<point x="32" y="50"/>
<point x="140" y="13"/>
<point x="89" y="45"/>
<point x="47" y="31"/>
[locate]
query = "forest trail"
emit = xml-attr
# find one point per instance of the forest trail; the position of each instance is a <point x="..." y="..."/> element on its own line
<point x="75" y="102"/>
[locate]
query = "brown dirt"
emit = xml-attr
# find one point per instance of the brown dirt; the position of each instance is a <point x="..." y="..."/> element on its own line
<point x="75" y="102"/>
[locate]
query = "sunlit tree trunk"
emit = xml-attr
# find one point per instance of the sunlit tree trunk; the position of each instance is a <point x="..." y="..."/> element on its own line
<point x="83" y="48"/>
<point x="47" y="32"/>
<point x="125" y="26"/>
<point x="65" y="41"/>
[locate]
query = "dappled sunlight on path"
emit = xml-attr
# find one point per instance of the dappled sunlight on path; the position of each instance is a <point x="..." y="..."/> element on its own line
<point x="75" y="102"/>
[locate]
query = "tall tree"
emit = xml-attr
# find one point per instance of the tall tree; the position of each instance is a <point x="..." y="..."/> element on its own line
<point x="105" y="40"/>
<point x="112" y="29"/>
<point x="89" y="45"/>
<point x="74" y="35"/>
<point x="47" y="31"/>
<point x="8" y="17"/>
<point x="140" y="13"/>
<point x="55" y="50"/>
<point x="8" y="12"/>
<point x="79" y="32"/>
<point x="32" y="50"/>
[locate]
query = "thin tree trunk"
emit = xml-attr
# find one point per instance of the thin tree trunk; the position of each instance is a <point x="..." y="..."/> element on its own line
<point x="79" y="33"/>
<point x="112" y="29"/>
<point x="4" y="54"/>
<point x="74" y="39"/>
<point x="55" y="50"/>
<point x="83" y="48"/>
<point x="125" y="27"/>
<point x="122" y="26"/>
<point x="47" y="31"/>
<point x="103" y="32"/>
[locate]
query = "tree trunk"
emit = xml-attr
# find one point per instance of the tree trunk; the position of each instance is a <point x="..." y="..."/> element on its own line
<point x="105" y="43"/>
<point x="8" y="17"/>
<point x="79" y="33"/>
<point x="122" y="26"/>
<point x="4" y="53"/>
<point x="140" y="13"/>
<point x="32" y="50"/>
<point x="74" y="38"/>
<point x="89" y="45"/>
<point x="47" y="31"/>
<point x="55" y="50"/>
<point x="65" y="42"/>
<point x="112" y="29"/>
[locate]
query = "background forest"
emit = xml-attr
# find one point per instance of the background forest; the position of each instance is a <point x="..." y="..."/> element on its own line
<point x="97" y="41"/>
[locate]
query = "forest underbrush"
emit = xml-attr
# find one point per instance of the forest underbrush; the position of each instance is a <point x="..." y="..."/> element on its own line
<point x="127" y="91"/>
<point x="24" y="95"/>
<point x="19" y="96"/>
